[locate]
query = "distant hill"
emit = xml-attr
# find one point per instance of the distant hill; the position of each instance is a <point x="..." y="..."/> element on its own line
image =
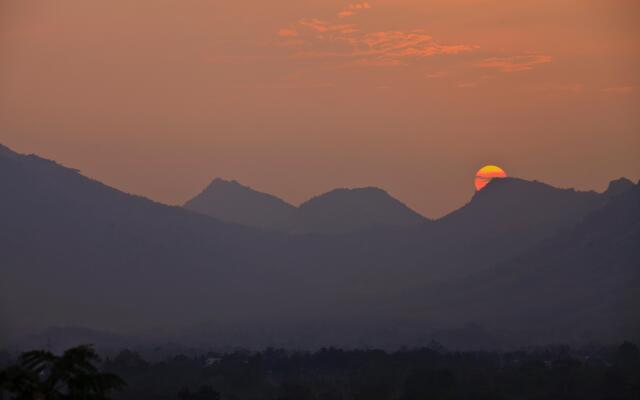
<point x="581" y="280"/>
<point x="618" y="187"/>
<point x="339" y="211"/>
<point x="230" y="201"/>
<point x="77" y="253"/>
<point x="510" y="203"/>
<point x="350" y="210"/>
<point x="509" y="215"/>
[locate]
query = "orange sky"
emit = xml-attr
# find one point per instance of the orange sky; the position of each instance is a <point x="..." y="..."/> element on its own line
<point x="295" y="97"/>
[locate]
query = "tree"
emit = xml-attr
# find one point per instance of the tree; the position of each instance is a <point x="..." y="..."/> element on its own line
<point x="205" y="392"/>
<point x="41" y="375"/>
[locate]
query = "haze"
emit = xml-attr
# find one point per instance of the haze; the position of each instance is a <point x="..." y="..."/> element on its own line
<point x="297" y="97"/>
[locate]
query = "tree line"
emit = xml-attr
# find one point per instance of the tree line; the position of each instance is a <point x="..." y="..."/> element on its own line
<point x="553" y="372"/>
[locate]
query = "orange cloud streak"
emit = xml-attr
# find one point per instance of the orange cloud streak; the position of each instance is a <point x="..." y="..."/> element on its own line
<point x="352" y="8"/>
<point x="287" y="32"/>
<point x="515" y="63"/>
<point x="382" y="48"/>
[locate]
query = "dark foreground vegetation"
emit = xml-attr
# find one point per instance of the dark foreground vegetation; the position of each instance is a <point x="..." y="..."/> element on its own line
<point x="42" y="375"/>
<point x="556" y="372"/>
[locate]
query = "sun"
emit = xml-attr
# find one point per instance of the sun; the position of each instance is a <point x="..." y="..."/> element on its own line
<point x="486" y="174"/>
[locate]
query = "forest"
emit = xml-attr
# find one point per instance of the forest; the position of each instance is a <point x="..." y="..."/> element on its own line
<point x="551" y="372"/>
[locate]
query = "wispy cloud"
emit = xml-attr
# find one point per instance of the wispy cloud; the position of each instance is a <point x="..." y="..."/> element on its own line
<point x="378" y="48"/>
<point x="466" y="85"/>
<point x="352" y="9"/>
<point x="287" y="32"/>
<point x="437" y="74"/>
<point x="515" y="63"/>
<point x="619" y="89"/>
<point x="572" y="88"/>
<point x="324" y="39"/>
<point x="559" y="88"/>
<point x="399" y="44"/>
<point x="321" y="26"/>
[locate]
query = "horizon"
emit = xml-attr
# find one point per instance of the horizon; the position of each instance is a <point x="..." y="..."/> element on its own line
<point x="298" y="98"/>
<point x="313" y="196"/>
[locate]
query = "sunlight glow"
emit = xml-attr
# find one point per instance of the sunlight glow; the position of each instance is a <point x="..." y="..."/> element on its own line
<point x="486" y="174"/>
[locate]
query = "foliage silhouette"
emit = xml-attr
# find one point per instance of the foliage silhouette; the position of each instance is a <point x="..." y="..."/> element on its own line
<point x="550" y="372"/>
<point x="43" y="375"/>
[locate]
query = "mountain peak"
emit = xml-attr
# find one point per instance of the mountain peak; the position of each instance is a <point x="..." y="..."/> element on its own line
<point x="347" y="210"/>
<point x="349" y="193"/>
<point x="230" y="201"/>
<point x="519" y="205"/>
<point x="618" y="186"/>
<point x="224" y="183"/>
<point x="7" y="152"/>
<point x="501" y="189"/>
<point x="511" y="183"/>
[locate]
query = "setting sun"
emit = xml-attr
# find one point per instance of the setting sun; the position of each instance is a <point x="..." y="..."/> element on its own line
<point x="486" y="174"/>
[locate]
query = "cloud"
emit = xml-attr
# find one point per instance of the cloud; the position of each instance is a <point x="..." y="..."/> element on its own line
<point x="321" y="26"/>
<point x="324" y="39"/>
<point x="515" y="63"/>
<point x="345" y="13"/>
<point x="399" y="45"/>
<point x="377" y="63"/>
<point x="380" y="48"/>
<point x="287" y="32"/>
<point x="360" y="6"/>
<point x="467" y="85"/>
<point x="353" y="8"/>
<point x="437" y="74"/>
<point x="619" y="89"/>
<point x="574" y="88"/>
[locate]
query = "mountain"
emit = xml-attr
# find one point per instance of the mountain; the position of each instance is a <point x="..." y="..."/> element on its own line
<point x="232" y="202"/>
<point x="512" y="204"/>
<point x="504" y="219"/>
<point x="618" y="187"/>
<point x="584" y="279"/>
<point x="77" y="253"/>
<point x="351" y="210"/>
<point x="339" y="211"/>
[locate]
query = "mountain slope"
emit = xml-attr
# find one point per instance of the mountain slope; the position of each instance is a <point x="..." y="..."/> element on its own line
<point x="580" y="284"/>
<point x="232" y="202"/>
<point x="339" y="211"/>
<point x="352" y="210"/>
<point x="508" y="216"/>
<point x="512" y="203"/>
<point x="78" y="253"/>
<point x="618" y="187"/>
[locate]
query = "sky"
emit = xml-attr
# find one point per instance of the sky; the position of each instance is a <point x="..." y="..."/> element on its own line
<point x="297" y="97"/>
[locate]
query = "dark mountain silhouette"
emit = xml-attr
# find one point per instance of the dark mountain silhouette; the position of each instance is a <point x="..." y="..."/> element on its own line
<point x="232" y="202"/>
<point x="350" y="210"/>
<point x="510" y="204"/>
<point x="508" y="216"/>
<point x="584" y="279"/>
<point x="336" y="212"/>
<point x="78" y="253"/>
<point x="619" y="186"/>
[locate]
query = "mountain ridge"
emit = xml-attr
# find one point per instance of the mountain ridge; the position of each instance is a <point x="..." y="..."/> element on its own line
<point x="338" y="211"/>
<point x="233" y="202"/>
<point x="345" y="210"/>
<point x="76" y="252"/>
